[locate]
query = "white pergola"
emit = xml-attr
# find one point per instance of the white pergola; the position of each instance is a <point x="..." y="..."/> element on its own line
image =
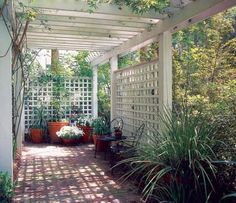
<point x="107" y="32"/>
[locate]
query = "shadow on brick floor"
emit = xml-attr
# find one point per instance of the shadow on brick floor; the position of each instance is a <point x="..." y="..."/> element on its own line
<point x="52" y="173"/>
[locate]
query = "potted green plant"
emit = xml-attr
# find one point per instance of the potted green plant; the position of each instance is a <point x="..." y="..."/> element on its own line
<point x="57" y="122"/>
<point x="70" y="134"/>
<point x="39" y="125"/>
<point x="175" y="163"/>
<point x="100" y="128"/>
<point x="58" y="119"/>
<point x="84" y="122"/>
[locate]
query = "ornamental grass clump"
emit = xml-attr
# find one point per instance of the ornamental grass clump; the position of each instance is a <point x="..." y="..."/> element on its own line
<point x="70" y="132"/>
<point x="175" y="162"/>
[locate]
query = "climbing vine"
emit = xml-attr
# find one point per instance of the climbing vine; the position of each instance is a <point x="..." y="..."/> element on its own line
<point x="20" y="60"/>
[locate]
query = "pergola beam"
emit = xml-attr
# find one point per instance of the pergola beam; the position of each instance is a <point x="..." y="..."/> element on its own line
<point x="71" y="42"/>
<point x="83" y="30"/>
<point x="191" y="13"/>
<point x="79" y="25"/>
<point x="55" y="18"/>
<point x="69" y="36"/>
<point x="79" y="33"/>
<point x="74" y="40"/>
<point x="66" y="47"/>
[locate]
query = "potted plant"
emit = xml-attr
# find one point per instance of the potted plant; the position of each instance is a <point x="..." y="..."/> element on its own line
<point x="39" y="125"/>
<point x="84" y="122"/>
<point x="70" y="135"/>
<point x="56" y="123"/>
<point x="58" y="120"/>
<point x="60" y="93"/>
<point x="177" y="162"/>
<point x="100" y="128"/>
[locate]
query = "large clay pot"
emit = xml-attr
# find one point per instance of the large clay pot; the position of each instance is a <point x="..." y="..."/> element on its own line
<point x="36" y="135"/>
<point x="87" y="133"/>
<point x="101" y="145"/>
<point x="53" y="128"/>
<point x="70" y="141"/>
<point x="118" y="134"/>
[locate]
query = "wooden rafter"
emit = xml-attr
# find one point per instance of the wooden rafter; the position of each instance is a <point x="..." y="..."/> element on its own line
<point x="109" y="28"/>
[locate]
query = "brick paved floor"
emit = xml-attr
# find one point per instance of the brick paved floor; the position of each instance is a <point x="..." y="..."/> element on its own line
<point x="52" y="173"/>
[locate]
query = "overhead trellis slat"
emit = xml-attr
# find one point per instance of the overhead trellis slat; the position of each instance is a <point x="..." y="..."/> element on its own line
<point x="66" y="47"/>
<point x="48" y="34"/>
<point x="71" y="43"/>
<point x="86" y="25"/>
<point x="70" y="28"/>
<point x="52" y="18"/>
<point x="39" y="38"/>
<point x="79" y="33"/>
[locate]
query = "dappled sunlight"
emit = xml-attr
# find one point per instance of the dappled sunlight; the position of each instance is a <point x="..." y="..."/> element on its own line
<point x="68" y="174"/>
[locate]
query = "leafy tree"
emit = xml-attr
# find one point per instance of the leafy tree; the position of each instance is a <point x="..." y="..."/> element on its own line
<point x="204" y="63"/>
<point x="83" y="67"/>
<point x="104" y="92"/>
<point x="137" y="6"/>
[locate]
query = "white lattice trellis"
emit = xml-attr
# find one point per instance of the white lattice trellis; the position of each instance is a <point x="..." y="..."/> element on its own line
<point x="137" y="96"/>
<point x="80" y="95"/>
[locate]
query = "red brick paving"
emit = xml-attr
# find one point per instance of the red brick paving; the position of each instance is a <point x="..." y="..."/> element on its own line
<point x="52" y="173"/>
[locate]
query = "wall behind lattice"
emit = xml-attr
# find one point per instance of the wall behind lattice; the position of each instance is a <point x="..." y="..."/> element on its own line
<point x="137" y="97"/>
<point x="80" y="96"/>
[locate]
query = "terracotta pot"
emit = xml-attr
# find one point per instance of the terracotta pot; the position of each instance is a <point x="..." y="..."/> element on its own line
<point x="118" y="134"/>
<point x="67" y="141"/>
<point x="169" y="178"/>
<point x="53" y="128"/>
<point x="36" y="135"/>
<point x="101" y="145"/>
<point x="87" y="133"/>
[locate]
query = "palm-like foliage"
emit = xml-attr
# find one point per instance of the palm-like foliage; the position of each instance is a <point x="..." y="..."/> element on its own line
<point x="175" y="163"/>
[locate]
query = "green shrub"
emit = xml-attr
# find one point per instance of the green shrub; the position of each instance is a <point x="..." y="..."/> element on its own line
<point x="100" y="126"/>
<point x="6" y="187"/>
<point x="175" y="163"/>
<point x="226" y="131"/>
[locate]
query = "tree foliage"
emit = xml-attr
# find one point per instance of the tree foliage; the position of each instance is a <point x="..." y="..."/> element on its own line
<point x="83" y="67"/>
<point x="104" y="93"/>
<point x="204" y="63"/>
<point x="142" y="6"/>
<point x="137" y="6"/>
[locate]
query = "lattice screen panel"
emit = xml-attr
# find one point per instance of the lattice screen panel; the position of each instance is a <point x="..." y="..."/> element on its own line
<point x="80" y="95"/>
<point x="136" y="98"/>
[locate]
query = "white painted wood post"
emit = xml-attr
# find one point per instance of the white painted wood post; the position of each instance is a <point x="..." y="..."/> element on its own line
<point x="114" y="67"/>
<point x="165" y="71"/>
<point x="95" y="92"/>
<point x="6" y="158"/>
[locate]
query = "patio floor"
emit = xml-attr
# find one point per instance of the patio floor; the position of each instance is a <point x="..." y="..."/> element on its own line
<point x="52" y="173"/>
